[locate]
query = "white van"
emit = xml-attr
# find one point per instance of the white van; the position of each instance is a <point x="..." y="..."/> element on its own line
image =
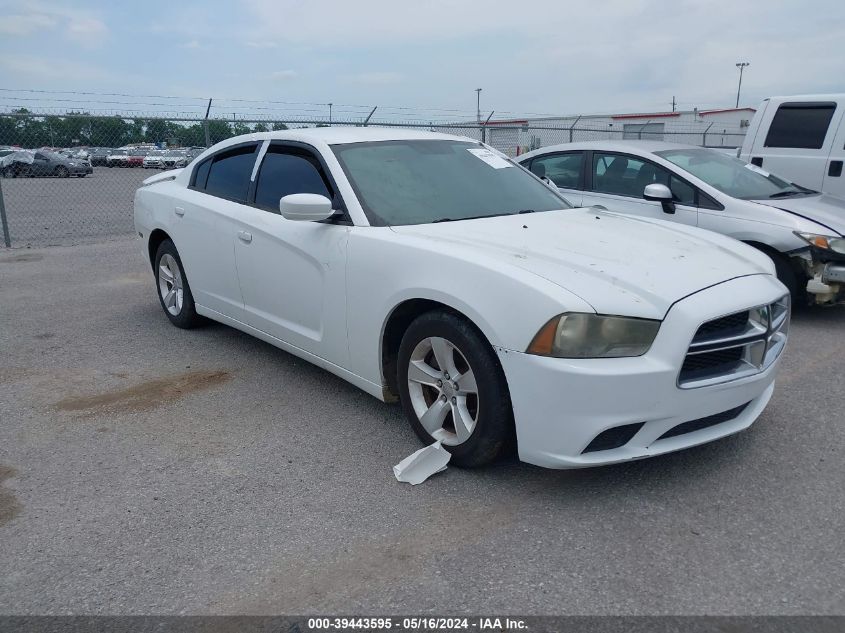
<point x="801" y="138"/>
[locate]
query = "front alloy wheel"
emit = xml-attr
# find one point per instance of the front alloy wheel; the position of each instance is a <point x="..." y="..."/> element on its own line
<point x="443" y="392"/>
<point x="453" y="389"/>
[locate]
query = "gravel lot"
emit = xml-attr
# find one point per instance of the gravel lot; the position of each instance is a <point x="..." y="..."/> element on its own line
<point x="146" y="469"/>
<point x="48" y="211"/>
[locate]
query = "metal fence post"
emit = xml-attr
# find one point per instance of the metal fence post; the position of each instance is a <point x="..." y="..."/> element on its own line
<point x="572" y="127"/>
<point x="6" y="238"/>
<point x="205" y="124"/>
<point x="704" y="136"/>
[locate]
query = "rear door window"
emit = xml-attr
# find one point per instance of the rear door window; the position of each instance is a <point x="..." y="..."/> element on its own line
<point x="800" y="125"/>
<point x="565" y="170"/>
<point x="229" y="173"/>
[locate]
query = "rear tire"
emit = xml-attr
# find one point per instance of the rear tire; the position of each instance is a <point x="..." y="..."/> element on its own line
<point x="174" y="292"/>
<point x="62" y="172"/>
<point x="453" y="389"/>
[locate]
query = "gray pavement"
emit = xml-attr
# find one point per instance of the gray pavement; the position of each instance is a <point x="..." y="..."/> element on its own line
<point x="147" y="469"/>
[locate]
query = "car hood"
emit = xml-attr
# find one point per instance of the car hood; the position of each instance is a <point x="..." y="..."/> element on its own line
<point x="617" y="264"/>
<point x="821" y="208"/>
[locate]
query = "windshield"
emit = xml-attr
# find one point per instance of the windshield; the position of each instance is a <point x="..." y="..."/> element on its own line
<point x="119" y="152"/>
<point x="417" y="182"/>
<point x="174" y="153"/>
<point x="730" y="175"/>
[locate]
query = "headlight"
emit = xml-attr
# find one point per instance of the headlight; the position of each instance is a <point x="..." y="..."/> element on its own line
<point x="580" y="335"/>
<point x="827" y="242"/>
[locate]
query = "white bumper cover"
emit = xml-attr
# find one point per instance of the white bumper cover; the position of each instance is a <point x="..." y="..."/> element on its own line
<point x="561" y="405"/>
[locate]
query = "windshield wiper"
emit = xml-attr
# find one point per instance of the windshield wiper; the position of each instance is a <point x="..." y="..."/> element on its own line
<point x="525" y="211"/>
<point x="786" y="194"/>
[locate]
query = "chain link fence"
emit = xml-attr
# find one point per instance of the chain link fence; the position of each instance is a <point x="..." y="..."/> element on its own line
<point x="71" y="178"/>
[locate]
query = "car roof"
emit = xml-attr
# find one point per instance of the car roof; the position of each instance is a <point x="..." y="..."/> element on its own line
<point x="643" y="147"/>
<point x="338" y="135"/>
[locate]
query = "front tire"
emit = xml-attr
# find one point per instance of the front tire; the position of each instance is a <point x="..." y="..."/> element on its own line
<point x="174" y="292"/>
<point x="453" y="389"/>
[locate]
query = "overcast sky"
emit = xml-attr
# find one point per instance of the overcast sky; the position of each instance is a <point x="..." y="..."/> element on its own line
<point x="550" y="57"/>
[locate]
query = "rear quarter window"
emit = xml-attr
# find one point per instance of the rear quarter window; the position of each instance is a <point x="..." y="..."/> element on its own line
<point x="800" y="125"/>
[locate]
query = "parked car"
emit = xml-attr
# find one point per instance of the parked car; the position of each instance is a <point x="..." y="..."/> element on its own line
<point x="99" y="156"/>
<point x="25" y="163"/>
<point x="118" y="158"/>
<point x="174" y="158"/>
<point x="430" y="269"/>
<point x="153" y="160"/>
<point x="135" y="157"/>
<point x="801" y="138"/>
<point x="800" y="229"/>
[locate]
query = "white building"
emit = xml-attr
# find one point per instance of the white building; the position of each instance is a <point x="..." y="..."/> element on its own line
<point x="711" y="128"/>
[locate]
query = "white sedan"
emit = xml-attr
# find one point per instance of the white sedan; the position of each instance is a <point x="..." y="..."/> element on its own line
<point x="803" y="231"/>
<point x="430" y="269"/>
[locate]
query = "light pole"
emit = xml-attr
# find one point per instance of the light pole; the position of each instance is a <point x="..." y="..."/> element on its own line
<point x="478" y="104"/>
<point x="330" y="114"/>
<point x="741" y="66"/>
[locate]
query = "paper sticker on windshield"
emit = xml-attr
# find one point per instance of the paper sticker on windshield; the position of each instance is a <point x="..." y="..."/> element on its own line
<point x="759" y="170"/>
<point x="497" y="162"/>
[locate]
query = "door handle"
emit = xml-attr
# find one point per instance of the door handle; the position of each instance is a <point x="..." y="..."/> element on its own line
<point x="835" y="169"/>
<point x="243" y="236"/>
<point x="179" y="211"/>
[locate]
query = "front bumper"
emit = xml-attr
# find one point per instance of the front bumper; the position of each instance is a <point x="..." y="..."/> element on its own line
<point x="562" y="405"/>
<point x="81" y="169"/>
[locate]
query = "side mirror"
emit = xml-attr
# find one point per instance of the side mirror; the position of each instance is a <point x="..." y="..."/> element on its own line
<point x="656" y="192"/>
<point x="306" y="207"/>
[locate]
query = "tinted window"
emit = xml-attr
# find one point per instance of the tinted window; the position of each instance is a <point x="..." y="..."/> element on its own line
<point x="283" y="172"/>
<point x="201" y="174"/>
<point x="682" y="192"/>
<point x="800" y="125"/>
<point x="230" y="172"/>
<point x="564" y="170"/>
<point x="628" y="176"/>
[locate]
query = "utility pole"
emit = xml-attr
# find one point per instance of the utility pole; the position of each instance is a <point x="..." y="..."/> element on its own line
<point x="478" y="105"/>
<point x="330" y="114"/>
<point x="674" y="103"/>
<point x="741" y="66"/>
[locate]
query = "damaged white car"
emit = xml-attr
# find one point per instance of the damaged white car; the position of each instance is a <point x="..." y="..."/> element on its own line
<point x="802" y="230"/>
<point x="429" y="269"/>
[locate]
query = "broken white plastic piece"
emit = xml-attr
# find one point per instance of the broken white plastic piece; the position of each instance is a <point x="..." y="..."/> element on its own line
<point x="419" y="466"/>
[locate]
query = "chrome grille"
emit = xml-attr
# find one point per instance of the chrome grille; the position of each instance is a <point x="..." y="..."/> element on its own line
<point x="736" y="345"/>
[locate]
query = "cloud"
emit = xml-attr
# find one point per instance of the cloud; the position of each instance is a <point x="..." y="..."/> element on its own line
<point x="192" y="44"/>
<point x="375" y="78"/>
<point x="22" y="25"/>
<point x="282" y="75"/>
<point x="262" y="44"/>
<point x="78" y="26"/>
<point x="38" y="68"/>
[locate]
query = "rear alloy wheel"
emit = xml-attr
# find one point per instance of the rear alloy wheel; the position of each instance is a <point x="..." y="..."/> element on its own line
<point x="453" y="389"/>
<point x="62" y="172"/>
<point x="174" y="293"/>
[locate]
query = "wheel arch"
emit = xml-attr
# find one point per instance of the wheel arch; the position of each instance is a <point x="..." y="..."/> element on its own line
<point x="393" y="329"/>
<point x="157" y="236"/>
